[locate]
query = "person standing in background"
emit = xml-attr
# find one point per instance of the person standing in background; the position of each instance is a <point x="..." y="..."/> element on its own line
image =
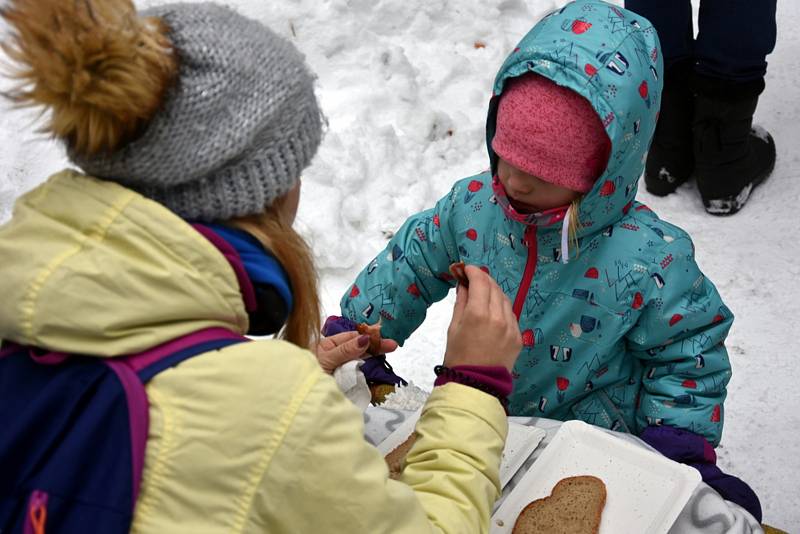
<point x="712" y="85"/>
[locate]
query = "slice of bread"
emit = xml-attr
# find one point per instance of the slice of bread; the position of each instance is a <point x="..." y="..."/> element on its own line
<point x="574" y="507"/>
<point x="396" y="459"/>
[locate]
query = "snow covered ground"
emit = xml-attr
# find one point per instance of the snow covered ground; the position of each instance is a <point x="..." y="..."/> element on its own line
<point x="405" y="85"/>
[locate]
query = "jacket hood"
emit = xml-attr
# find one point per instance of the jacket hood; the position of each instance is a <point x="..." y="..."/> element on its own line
<point x="611" y="57"/>
<point x="90" y="267"/>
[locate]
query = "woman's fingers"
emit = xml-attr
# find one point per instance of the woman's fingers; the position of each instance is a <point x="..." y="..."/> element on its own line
<point x="339" y="349"/>
<point x="331" y="342"/>
<point x="486" y="332"/>
<point x="462" y="296"/>
<point x="388" y="345"/>
<point x="479" y="289"/>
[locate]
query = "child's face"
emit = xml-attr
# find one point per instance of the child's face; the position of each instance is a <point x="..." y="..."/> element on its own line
<point x="529" y="194"/>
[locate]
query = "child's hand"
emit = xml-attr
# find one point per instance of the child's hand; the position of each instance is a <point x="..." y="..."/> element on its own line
<point x="341" y="348"/>
<point x="484" y="330"/>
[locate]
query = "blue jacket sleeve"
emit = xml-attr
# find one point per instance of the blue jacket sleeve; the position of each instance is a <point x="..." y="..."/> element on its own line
<point x="399" y="285"/>
<point x="680" y="338"/>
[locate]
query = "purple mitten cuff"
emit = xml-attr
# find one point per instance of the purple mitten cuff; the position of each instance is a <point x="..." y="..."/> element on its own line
<point x="679" y="445"/>
<point x="688" y="448"/>
<point x="731" y="488"/>
<point x="378" y="371"/>
<point x="336" y="325"/>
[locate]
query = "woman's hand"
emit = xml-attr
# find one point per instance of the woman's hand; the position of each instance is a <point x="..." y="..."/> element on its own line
<point x="484" y="330"/>
<point x="341" y="348"/>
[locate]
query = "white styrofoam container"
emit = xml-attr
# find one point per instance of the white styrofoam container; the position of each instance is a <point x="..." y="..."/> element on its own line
<point x="645" y="491"/>
<point x="400" y="434"/>
<point x="521" y="442"/>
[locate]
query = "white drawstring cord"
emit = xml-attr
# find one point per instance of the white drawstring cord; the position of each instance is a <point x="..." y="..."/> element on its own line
<point x="565" y="237"/>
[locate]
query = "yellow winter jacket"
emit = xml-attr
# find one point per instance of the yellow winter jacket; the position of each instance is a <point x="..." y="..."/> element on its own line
<point x="251" y="438"/>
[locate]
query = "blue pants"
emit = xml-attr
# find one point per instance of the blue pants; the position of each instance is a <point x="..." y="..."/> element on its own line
<point x="733" y="40"/>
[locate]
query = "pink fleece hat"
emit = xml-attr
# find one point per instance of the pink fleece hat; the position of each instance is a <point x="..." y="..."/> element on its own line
<point x="551" y="132"/>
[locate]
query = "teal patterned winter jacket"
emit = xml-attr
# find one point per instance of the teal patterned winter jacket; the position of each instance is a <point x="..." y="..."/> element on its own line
<point x="623" y="331"/>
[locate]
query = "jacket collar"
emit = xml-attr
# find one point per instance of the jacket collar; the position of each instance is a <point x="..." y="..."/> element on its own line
<point x="263" y="282"/>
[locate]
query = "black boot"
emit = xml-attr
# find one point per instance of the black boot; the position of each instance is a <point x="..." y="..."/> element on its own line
<point x="731" y="157"/>
<point x="670" y="161"/>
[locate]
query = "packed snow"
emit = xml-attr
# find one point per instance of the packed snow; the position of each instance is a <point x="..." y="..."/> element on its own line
<point x="405" y="85"/>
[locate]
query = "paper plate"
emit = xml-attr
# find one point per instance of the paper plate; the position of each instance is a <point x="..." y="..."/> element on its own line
<point x="521" y="442"/>
<point x="645" y="491"/>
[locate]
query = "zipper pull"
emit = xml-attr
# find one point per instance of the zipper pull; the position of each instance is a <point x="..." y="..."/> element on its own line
<point x="529" y="237"/>
<point x="37" y="513"/>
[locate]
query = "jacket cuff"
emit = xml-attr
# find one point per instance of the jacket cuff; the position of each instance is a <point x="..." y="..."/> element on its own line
<point x="455" y="396"/>
<point x="494" y="380"/>
<point x="336" y="325"/>
<point x="679" y="445"/>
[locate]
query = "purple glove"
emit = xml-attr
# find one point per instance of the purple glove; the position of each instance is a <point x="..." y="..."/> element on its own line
<point x="376" y="369"/>
<point x="336" y="325"/>
<point x="690" y="449"/>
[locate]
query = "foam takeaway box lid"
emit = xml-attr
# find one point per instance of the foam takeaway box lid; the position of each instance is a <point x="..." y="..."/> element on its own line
<point x="645" y="492"/>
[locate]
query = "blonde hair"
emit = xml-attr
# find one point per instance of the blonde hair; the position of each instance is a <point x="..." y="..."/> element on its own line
<point x="277" y="235"/>
<point x="100" y="69"/>
<point x="574" y="224"/>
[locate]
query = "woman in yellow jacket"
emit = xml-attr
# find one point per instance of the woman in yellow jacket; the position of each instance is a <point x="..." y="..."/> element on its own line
<point x="191" y="125"/>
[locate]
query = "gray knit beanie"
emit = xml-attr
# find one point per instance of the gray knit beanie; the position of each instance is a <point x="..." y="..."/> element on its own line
<point x="236" y="130"/>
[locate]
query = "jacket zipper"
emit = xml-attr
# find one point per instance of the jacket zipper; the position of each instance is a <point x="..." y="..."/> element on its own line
<point x="530" y="268"/>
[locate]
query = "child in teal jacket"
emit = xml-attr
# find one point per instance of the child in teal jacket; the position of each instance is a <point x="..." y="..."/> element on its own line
<point x="620" y="327"/>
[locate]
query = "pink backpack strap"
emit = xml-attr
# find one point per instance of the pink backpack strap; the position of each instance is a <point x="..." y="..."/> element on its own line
<point x="137" y="369"/>
<point x="8" y="349"/>
<point x="40" y="356"/>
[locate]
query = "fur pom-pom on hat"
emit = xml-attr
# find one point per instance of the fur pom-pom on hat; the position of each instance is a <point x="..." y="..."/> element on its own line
<point x="98" y="67"/>
<point x="191" y="104"/>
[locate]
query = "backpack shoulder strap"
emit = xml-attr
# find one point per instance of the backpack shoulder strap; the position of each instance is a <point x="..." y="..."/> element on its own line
<point x="137" y="369"/>
<point x="149" y="363"/>
<point x="56" y="409"/>
<point x="8" y="349"/>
